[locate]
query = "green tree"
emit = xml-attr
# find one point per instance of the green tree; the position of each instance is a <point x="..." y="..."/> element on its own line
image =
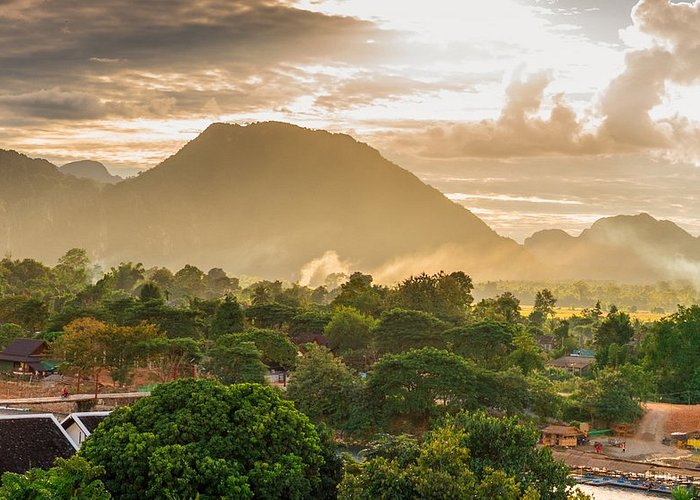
<point x="151" y="291"/>
<point x="271" y="315"/>
<point x="670" y="348"/>
<point x="235" y="361"/>
<point x="488" y="342"/>
<point x="399" y="330"/>
<point x="72" y="273"/>
<point x="217" y="283"/>
<point x="611" y="399"/>
<point x="527" y="355"/>
<point x="359" y="293"/>
<point x="312" y="321"/>
<point x="171" y="356"/>
<point x="127" y="276"/>
<point x="189" y="282"/>
<point x="350" y="335"/>
<point x="615" y="329"/>
<point x="421" y="384"/>
<point x="9" y="332"/>
<point x="505" y="444"/>
<point x="446" y="296"/>
<point x="27" y="312"/>
<point x="197" y="438"/>
<point x="323" y="388"/>
<point x="228" y="318"/>
<point x="72" y="479"/>
<point x="544" y="307"/>
<point x="503" y="308"/>
<point x="467" y="456"/>
<point x="275" y="347"/>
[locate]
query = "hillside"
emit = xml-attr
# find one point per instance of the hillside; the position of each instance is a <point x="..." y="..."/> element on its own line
<point x="42" y="212"/>
<point x="93" y="170"/>
<point x="266" y="199"/>
<point x="269" y="198"/>
<point x="628" y="248"/>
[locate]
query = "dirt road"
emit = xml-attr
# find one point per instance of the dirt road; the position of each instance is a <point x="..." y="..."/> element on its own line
<point x="659" y="421"/>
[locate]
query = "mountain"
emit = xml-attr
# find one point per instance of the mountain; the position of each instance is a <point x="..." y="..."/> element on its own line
<point x="267" y="199"/>
<point x="88" y="169"/>
<point x="271" y="198"/>
<point x="42" y="211"/>
<point x="630" y="248"/>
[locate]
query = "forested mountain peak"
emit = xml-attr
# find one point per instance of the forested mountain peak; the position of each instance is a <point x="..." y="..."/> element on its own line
<point x="268" y="198"/>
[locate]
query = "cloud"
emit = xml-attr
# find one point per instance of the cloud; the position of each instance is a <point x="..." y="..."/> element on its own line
<point x="55" y="104"/>
<point x="623" y="120"/>
<point x="174" y="49"/>
<point x="672" y="56"/>
<point x="518" y="131"/>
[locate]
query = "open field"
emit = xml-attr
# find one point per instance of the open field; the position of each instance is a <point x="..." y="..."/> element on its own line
<point x="567" y="312"/>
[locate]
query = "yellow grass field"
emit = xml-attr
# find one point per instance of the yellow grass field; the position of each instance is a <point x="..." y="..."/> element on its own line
<point x="567" y="312"/>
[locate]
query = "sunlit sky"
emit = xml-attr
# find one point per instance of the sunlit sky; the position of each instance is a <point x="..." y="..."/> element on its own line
<point x="532" y="113"/>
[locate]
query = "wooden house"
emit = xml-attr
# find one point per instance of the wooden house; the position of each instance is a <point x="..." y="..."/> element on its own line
<point x="576" y="364"/>
<point x="560" y="435"/>
<point x="25" y="356"/>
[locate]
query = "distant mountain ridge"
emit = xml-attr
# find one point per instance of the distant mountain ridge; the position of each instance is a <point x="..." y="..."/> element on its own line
<point x="88" y="169"/>
<point x="629" y="248"/>
<point x="272" y="199"/>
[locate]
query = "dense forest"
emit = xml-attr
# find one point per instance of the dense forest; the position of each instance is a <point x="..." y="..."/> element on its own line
<point x="412" y="372"/>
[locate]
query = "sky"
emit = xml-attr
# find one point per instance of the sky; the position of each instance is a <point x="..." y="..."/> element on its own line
<point x="533" y="114"/>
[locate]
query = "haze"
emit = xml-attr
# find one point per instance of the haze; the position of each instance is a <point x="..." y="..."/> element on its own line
<point x="533" y="114"/>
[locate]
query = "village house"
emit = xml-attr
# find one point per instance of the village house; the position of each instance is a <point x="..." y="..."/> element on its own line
<point x="25" y="356"/>
<point x="34" y="440"/>
<point x="560" y="435"/>
<point x="81" y="425"/>
<point x="576" y="364"/>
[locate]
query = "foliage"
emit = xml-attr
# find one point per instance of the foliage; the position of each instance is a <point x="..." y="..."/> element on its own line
<point x="170" y="356"/>
<point x="199" y="438"/>
<point x="270" y="315"/>
<point x="399" y="330"/>
<point x="526" y="354"/>
<point x="311" y="321"/>
<point x="467" y="456"/>
<point x="88" y="345"/>
<point x="507" y="445"/>
<point x="544" y="307"/>
<point x="10" y="332"/>
<point x="275" y="347"/>
<point x="72" y="479"/>
<point x="323" y="388"/>
<point x="670" y="349"/>
<point x="446" y="296"/>
<point x="503" y="308"/>
<point x="27" y="312"/>
<point x="350" y="334"/>
<point x="609" y="398"/>
<point x="234" y="361"/>
<point x="487" y="342"/>
<point x="228" y="318"/>
<point x="420" y="384"/>
<point x="359" y="293"/>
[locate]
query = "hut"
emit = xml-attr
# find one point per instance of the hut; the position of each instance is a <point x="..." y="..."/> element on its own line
<point x="560" y="435"/>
